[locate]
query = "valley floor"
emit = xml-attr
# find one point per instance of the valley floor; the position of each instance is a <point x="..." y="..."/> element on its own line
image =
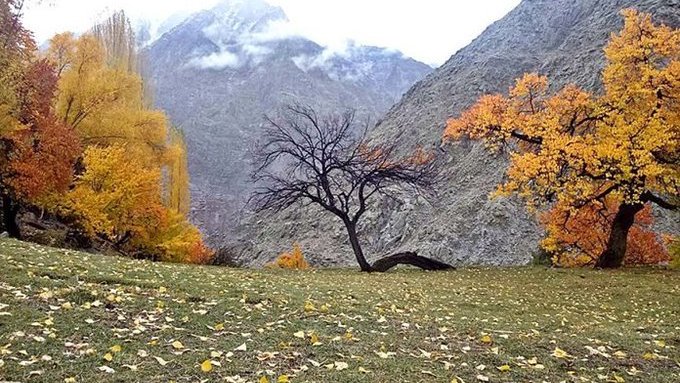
<point x="72" y="317"/>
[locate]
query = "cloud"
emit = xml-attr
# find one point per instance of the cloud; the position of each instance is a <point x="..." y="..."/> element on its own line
<point x="276" y="30"/>
<point x="218" y="60"/>
<point x="236" y="49"/>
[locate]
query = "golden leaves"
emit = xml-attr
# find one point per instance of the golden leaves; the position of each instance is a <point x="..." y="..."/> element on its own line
<point x="207" y="366"/>
<point x="294" y="260"/>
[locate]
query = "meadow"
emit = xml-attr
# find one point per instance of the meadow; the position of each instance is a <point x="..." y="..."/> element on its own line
<point x="73" y="317"/>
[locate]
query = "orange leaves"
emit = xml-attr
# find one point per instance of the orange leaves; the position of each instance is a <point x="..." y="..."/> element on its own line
<point x="294" y="260"/>
<point x="578" y="237"/>
<point x="482" y="121"/>
<point x="40" y="151"/>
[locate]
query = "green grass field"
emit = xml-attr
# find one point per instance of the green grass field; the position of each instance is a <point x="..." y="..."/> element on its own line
<point x="71" y="317"/>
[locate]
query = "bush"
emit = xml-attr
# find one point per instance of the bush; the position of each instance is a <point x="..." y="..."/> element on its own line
<point x="294" y="260"/>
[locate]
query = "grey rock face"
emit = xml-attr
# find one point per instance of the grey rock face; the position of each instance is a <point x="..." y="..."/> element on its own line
<point x="562" y="39"/>
<point x="220" y="71"/>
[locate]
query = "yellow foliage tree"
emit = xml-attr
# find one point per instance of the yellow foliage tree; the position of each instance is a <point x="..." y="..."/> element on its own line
<point x="117" y="197"/>
<point x="573" y="148"/>
<point x="134" y="189"/>
<point x="177" y="192"/>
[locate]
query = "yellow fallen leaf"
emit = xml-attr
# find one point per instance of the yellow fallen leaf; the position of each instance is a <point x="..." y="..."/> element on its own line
<point x="309" y="306"/>
<point x="486" y="339"/>
<point x="648" y="356"/>
<point x="70" y="380"/>
<point x="283" y="379"/>
<point x="177" y="345"/>
<point x="504" y="368"/>
<point x="219" y="327"/>
<point x="299" y="334"/>
<point x="206" y="366"/>
<point x="315" y="340"/>
<point x="619" y="379"/>
<point x="116" y="348"/>
<point x="660" y="343"/>
<point x="559" y="353"/>
<point x="108" y="357"/>
<point x="264" y="380"/>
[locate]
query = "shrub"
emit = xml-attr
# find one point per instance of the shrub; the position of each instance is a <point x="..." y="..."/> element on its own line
<point x="294" y="260"/>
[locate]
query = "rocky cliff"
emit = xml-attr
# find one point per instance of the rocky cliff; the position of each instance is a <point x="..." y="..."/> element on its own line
<point x="562" y="39"/>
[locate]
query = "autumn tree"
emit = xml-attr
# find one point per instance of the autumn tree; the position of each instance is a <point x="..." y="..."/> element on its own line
<point x="572" y="149"/>
<point x="308" y="159"/>
<point x="38" y="150"/>
<point x="132" y="190"/>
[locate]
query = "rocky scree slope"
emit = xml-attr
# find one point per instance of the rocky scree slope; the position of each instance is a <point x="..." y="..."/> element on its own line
<point x="562" y="39"/>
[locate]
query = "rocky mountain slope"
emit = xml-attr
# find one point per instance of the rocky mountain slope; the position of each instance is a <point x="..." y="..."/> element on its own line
<point x="559" y="38"/>
<point x="221" y="70"/>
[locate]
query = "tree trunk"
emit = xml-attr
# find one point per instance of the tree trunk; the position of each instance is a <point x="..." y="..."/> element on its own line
<point x="356" y="246"/>
<point x="384" y="264"/>
<point x="615" y="252"/>
<point x="409" y="258"/>
<point x="9" y="217"/>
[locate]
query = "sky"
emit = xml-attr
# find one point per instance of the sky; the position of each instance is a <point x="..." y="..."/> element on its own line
<point x="427" y="30"/>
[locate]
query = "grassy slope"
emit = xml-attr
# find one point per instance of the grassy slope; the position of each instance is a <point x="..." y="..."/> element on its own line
<point x="435" y="324"/>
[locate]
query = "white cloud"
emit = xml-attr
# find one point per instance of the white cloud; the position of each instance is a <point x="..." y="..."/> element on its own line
<point x="219" y="60"/>
<point x="428" y="30"/>
<point x="276" y="30"/>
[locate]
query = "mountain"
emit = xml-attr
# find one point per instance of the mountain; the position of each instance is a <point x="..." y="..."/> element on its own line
<point x="562" y="39"/>
<point x="221" y="70"/>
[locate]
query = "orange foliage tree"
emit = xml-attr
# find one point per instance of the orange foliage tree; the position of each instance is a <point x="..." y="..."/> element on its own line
<point x="38" y="151"/>
<point x="574" y="149"/>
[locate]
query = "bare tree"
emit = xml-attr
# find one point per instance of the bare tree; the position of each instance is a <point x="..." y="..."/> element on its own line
<point x="306" y="159"/>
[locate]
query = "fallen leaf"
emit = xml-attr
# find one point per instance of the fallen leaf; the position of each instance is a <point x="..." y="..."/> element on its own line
<point x="161" y="361"/>
<point x="559" y="353"/>
<point x="206" y="366"/>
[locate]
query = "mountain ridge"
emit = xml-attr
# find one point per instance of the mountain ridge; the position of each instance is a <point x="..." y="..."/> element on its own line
<point x="218" y="72"/>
